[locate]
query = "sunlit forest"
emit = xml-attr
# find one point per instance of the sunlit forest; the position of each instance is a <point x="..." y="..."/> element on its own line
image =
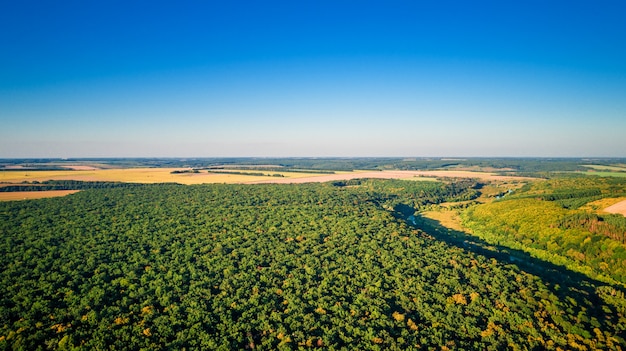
<point x="341" y="265"/>
<point x="557" y="221"/>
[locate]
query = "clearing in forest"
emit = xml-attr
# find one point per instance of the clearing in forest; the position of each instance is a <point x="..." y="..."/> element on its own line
<point x="618" y="208"/>
<point x="446" y="218"/>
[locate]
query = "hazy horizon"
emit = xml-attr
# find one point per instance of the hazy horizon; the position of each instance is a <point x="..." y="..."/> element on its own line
<point x="312" y="79"/>
<point x="273" y="158"/>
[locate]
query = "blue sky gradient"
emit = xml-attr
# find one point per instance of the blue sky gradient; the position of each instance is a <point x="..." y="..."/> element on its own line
<point x="312" y="78"/>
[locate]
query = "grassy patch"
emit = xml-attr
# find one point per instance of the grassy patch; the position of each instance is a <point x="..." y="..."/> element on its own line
<point x="607" y="168"/>
<point x="605" y="174"/>
<point x="598" y="206"/>
<point x="448" y="219"/>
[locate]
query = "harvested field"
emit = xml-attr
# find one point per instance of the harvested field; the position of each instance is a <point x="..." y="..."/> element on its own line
<point x="130" y="175"/>
<point x="29" y="195"/>
<point x="618" y="208"/>
<point x="142" y="175"/>
<point x="164" y="175"/>
<point x="415" y="175"/>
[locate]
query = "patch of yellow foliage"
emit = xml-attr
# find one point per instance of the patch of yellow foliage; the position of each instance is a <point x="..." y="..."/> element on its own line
<point x="448" y="219"/>
<point x="121" y="320"/>
<point x="59" y="328"/>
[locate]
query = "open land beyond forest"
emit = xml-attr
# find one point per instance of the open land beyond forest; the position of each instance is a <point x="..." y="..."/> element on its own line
<point x="387" y="175"/>
<point x="184" y="176"/>
<point x="165" y="175"/>
<point x="30" y="195"/>
<point x="143" y="175"/>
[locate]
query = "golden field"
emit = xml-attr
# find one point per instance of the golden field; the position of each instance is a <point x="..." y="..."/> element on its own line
<point x="165" y="175"/>
<point x="142" y="175"/>
<point x="29" y="195"/>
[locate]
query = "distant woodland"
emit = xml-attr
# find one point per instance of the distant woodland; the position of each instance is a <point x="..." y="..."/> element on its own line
<point x="536" y="166"/>
<point x="341" y="265"/>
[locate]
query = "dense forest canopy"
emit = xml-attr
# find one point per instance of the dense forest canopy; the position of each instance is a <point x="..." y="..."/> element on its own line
<point x="62" y="185"/>
<point x="334" y="266"/>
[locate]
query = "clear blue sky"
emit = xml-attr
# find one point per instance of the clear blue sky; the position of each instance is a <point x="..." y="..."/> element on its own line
<point x="312" y="78"/>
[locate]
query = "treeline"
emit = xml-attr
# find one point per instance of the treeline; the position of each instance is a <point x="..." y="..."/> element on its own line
<point x="184" y="171"/>
<point x="275" y="169"/>
<point x="532" y="166"/>
<point x="267" y="267"/>
<point x="63" y="185"/>
<point x="261" y="174"/>
<point x="529" y="165"/>
<point x="34" y="168"/>
<point x="609" y="225"/>
<point x="565" y="194"/>
<point x="574" y="198"/>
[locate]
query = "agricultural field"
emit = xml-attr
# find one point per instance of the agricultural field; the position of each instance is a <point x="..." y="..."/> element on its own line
<point x="615" y="170"/>
<point x="166" y="175"/>
<point x="130" y="175"/>
<point x="30" y="195"/>
<point x="85" y="173"/>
